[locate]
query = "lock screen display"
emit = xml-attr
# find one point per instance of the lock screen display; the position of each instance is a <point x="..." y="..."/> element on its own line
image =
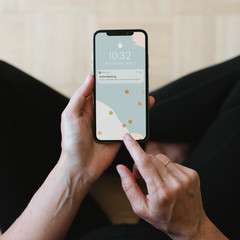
<point x="120" y="86"/>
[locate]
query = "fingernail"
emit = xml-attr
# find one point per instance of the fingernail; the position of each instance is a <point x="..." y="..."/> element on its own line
<point x="88" y="78"/>
<point x="127" y="136"/>
<point x="120" y="172"/>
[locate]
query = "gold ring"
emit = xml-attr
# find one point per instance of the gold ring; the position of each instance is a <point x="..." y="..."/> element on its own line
<point x="167" y="162"/>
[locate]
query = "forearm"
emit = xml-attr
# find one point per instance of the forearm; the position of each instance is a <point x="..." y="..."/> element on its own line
<point x="53" y="207"/>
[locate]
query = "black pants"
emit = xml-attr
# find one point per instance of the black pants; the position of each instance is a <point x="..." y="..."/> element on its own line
<point x="202" y="108"/>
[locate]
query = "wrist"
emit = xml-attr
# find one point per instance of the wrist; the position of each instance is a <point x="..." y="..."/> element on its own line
<point x="74" y="173"/>
<point x="209" y="231"/>
<point x="206" y="230"/>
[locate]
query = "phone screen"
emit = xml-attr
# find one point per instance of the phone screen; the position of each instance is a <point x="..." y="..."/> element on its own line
<point x="121" y="84"/>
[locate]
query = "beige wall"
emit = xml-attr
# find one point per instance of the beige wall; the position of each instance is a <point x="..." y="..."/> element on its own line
<point x="51" y="39"/>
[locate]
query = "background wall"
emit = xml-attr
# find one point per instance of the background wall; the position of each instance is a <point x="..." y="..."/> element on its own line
<point x="52" y="39"/>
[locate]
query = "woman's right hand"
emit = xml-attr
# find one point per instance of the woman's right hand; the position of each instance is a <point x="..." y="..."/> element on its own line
<point x="173" y="203"/>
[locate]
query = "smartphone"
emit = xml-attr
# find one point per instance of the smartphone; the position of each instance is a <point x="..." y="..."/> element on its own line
<point x="120" y="68"/>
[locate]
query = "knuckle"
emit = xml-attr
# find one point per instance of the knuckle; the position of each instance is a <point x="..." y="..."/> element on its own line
<point x="177" y="186"/>
<point x="194" y="175"/>
<point x="132" y="144"/>
<point x="160" y="156"/>
<point x="127" y="186"/>
<point x="163" y="158"/>
<point x="188" y="180"/>
<point x="67" y="115"/>
<point x="145" y="160"/>
<point x="164" y="196"/>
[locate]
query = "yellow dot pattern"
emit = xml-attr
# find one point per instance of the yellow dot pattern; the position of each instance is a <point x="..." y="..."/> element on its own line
<point x="129" y="121"/>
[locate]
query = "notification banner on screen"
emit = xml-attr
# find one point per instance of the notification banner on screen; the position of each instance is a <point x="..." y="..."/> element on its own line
<point x="120" y="76"/>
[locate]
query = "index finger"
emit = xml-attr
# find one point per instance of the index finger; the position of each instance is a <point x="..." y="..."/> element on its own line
<point x="143" y="161"/>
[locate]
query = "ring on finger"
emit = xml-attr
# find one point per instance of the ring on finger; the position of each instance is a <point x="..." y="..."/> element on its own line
<point x="167" y="162"/>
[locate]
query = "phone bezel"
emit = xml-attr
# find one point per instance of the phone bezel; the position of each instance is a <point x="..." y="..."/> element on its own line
<point x="120" y="32"/>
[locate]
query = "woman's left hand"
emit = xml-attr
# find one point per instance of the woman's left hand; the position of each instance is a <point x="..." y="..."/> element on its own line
<point x="78" y="144"/>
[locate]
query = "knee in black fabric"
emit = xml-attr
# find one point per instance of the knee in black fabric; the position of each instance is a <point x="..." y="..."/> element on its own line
<point x="233" y="99"/>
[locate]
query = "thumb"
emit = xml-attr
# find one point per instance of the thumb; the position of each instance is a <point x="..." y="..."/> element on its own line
<point x="132" y="190"/>
<point x="78" y="99"/>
